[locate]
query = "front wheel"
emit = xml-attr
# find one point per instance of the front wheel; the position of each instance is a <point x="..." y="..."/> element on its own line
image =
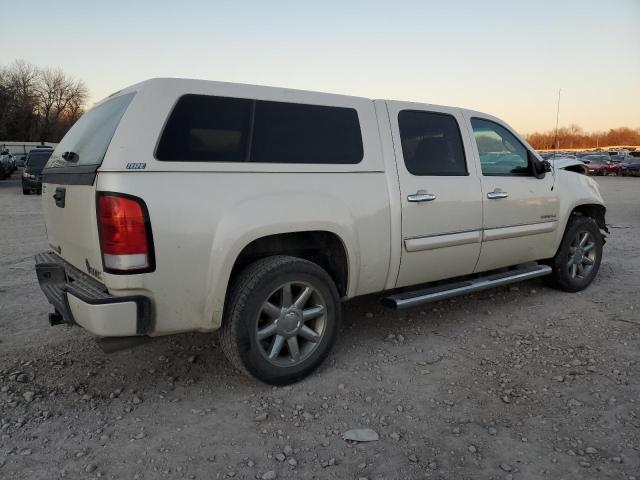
<point x="281" y="319"/>
<point x="578" y="259"/>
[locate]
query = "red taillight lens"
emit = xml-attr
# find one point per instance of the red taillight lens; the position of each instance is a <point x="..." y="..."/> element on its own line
<point x="125" y="234"/>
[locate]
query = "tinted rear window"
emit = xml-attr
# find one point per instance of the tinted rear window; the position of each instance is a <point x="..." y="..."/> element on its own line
<point x="222" y="129"/>
<point x="431" y="143"/>
<point x="90" y="136"/>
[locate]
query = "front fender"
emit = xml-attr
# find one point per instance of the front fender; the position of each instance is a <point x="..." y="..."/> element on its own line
<point x="575" y="190"/>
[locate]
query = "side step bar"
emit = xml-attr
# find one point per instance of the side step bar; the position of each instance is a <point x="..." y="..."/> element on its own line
<point x="441" y="292"/>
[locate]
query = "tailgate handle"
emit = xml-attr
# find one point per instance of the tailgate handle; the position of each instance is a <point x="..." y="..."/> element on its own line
<point x="59" y="196"/>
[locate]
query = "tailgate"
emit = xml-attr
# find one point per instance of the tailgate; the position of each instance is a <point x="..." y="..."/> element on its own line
<point x="69" y="185"/>
<point x="72" y="229"/>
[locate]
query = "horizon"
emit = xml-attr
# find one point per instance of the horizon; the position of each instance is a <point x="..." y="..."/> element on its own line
<point x="460" y="55"/>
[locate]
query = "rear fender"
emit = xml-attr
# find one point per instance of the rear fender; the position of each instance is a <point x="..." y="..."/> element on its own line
<point x="257" y="217"/>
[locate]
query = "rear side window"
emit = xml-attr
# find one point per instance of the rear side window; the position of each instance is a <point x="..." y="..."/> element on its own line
<point x="87" y="142"/>
<point x="222" y="129"/>
<point x="431" y="143"/>
<point x="203" y="128"/>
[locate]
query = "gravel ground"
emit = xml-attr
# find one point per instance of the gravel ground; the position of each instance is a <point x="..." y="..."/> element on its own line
<point x="519" y="382"/>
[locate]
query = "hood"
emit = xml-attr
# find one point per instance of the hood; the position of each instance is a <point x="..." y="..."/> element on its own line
<point x="570" y="164"/>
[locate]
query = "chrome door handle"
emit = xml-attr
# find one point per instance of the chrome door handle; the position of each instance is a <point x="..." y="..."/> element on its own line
<point x="421" y="197"/>
<point x="497" y="194"/>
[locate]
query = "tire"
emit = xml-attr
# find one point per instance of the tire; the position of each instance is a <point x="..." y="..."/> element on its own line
<point x="26" y="191"/>
<point x="256" y="316"/>
<point x="570" y="271"/>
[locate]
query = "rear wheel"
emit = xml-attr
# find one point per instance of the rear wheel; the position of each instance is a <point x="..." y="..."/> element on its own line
<point x="578" y="259"/>
<point x="26" y="191"/>
<point x="281" y="319"/>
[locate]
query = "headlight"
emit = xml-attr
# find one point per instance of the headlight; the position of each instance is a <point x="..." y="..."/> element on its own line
<point x="28" y="175"/>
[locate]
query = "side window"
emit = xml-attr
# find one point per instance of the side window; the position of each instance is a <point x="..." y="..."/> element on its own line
<point x="431" y="143"/>
<point x="501" y="153"/>
<point x="299" y="133"/>
<point x="221" y="129"/>
<point x="206" y="128"/>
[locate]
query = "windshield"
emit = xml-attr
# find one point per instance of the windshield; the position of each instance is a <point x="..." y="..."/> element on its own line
<point x="36" y="163"/>
<point x="87" y="141"/>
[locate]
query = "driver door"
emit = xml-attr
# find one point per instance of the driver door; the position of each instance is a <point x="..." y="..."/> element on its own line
<point x="520" y="211"/>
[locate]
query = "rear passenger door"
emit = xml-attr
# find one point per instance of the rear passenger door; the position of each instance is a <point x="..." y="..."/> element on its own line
<point x="440" y="193"/>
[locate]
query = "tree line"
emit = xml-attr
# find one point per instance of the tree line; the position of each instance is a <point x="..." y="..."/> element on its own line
<point x="38" y="104"/>
<point x="575" y="137"/>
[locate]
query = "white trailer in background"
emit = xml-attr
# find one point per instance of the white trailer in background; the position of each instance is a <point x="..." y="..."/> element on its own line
<point x="22" y="148"/>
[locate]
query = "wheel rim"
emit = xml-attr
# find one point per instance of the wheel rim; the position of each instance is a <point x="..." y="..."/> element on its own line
<point x="582" y="255"/>
<point x="291" y="324"/>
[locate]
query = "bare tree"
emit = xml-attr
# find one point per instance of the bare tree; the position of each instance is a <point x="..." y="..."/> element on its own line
<point x="573" y="137"/>
<point x="38" y="104"/>
<point x="20" y="80"/>
<point x="57" y="93"/>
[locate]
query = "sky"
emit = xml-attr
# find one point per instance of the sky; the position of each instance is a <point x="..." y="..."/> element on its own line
<point x="507" y="58"/>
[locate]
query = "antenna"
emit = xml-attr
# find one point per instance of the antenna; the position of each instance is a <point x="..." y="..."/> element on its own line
<point x="555" y="153"/>
<point x="556" y="146"/>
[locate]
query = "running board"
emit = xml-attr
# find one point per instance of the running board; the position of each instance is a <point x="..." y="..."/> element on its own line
<point x="442" y="292"/>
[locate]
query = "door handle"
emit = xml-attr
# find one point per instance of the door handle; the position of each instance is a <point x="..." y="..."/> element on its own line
<point x="421" y="197"/>
<point x="59" y="196"/>
<point x="497" y="194"/>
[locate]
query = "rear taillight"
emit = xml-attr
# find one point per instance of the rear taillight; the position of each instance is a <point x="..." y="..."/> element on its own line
<point x="125" y="234"/>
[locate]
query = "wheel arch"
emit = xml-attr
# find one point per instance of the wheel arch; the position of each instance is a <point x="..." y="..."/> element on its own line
<point x="592" y="210"/>
<point x="329" y="246"/>
<point x="322" y="247"/>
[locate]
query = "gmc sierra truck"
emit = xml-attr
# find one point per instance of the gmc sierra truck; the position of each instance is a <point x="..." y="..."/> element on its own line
<point x="184" y="205"/>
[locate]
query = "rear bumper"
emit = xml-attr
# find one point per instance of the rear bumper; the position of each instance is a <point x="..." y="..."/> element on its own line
<point x="84" y="301"/>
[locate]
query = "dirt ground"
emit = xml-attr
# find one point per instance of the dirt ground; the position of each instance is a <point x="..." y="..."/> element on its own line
<point x="517" y="383"/>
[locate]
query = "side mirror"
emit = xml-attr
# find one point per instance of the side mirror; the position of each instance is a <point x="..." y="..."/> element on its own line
<point x="540" y="168"/>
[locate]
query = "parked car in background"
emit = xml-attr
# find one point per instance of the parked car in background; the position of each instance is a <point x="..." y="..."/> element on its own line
<point x="32" y="173"/>
<point x="601" y="165"/>
<point x="617" y="156"/>
<point x="4" y="169"/>
<point x="7" y="164"/>
<point x="20" y="159"/>
<point x="630" y="167"/>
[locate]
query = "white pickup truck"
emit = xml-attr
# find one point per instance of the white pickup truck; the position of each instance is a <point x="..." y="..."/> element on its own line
<point x="185" y="205"/>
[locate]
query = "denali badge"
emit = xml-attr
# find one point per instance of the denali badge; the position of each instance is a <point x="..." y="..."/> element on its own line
<point x="92" y="271"/>
<point x="136" y="166"/>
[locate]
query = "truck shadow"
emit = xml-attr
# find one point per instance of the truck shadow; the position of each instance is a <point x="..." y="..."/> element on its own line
<point x="182" y="367"/>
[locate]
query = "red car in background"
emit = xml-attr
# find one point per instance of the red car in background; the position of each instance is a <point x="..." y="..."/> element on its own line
<point x="601" y="165"/>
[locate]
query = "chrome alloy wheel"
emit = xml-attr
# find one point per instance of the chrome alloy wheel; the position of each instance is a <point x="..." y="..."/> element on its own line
<point x="582" y="255"/>
<point x="291" y="324"/>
